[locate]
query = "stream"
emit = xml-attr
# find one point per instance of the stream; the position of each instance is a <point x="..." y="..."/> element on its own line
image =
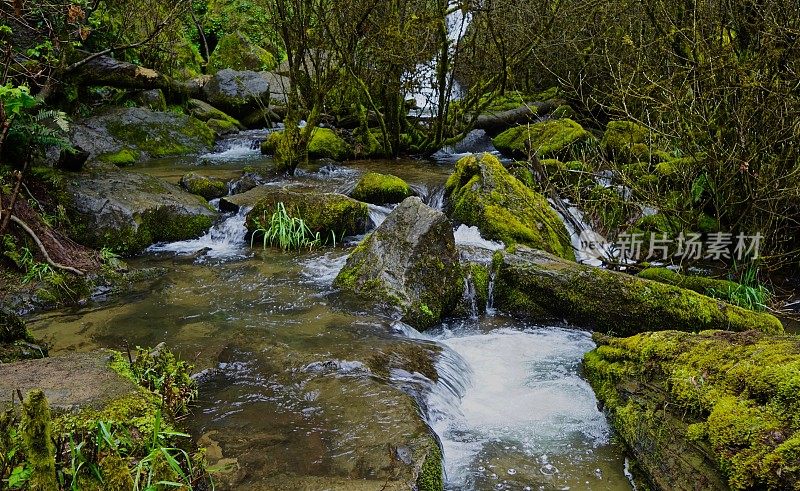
<point x="290" y="389"/>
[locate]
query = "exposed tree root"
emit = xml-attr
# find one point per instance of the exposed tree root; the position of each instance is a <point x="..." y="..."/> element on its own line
<point x="42" y="248"/>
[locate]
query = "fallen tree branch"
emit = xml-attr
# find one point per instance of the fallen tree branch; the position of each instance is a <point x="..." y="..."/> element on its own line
<point x="47" y="257"/>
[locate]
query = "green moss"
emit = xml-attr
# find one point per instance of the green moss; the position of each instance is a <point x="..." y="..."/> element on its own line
<point x="555" y="138"/>
<point x="160" y="140"/>
<point x="222" y="127"/>
<point x="123" y="157"/>
<point x="700" y="284"/>
<point x="37" y="442"/>
<point x="207" y="187"/>
<point x="480" y="278"/>
<point x="734" y="396"/>
<point x="326" y="213"/>
<point x="626" y="142"/>
<point x="544" y="287"/>
<point x="431" y="476"/>
<point x="324" y="144"/>
<point x="482" y="193"/>
<point x="380" y="189"/>
<point x="237" y="52"/>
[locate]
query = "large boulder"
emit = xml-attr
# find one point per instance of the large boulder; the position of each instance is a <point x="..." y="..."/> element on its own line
<point x="552" y="138"/>
<point x="380" y="189"/>
<point x="324" y="144"/>
<point x="128" y="211"/>
<point x="240" y="93"/>
<point x="411" y="262"/>
<point x="482" y="193"/>
<point x="541" y="286"/>
<point x="326" y="213"/>
<point x="712" y="411"/>
<point x="626" y="142"/>
<point x="124" y="136"/>
<point x="236" y="51"/>
<point x="218" y="121"/>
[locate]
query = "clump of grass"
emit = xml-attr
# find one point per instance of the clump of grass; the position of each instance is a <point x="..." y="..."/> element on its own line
<point x="749" y="293"/>
<point x="284" y="231"/>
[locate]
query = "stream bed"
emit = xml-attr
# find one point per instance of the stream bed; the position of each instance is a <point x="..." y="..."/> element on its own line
<point x="303" y="387"/>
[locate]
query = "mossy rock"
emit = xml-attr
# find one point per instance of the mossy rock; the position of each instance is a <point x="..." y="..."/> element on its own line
<point x="700" y="284"/>
<point x="208" y="113"/>
<point x="715" y="410"/>
<point x="128" y="211"/>
<point x="207" y="187"/>
<point x="324" y="144"/>
<point x="381" y="189"/>
<point x="553" y="138"/>
<point x="626" y="142"/>
<point x="323" y="213"/>
<point x="121" y="158"/>
<point x="409" y="262"/>
<point x="236" y="51"/>
<point x="543" y="287"/>
<point x="482" y="193"/>
<point x="16" y="342"/>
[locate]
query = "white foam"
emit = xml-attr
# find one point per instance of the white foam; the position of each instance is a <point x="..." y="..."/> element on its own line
<point x="225" y="240"/>
<point x="471" y="236"/>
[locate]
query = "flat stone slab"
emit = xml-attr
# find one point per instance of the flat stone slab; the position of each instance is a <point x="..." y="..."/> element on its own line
<point x="70" y="382"/>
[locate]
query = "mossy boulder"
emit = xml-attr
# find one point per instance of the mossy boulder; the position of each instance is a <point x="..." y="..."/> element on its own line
<point x="326" y="213"/>
<point x="626" y="142"/>
<point x="213" y="117"/>
<point x="236" y="51"/>
<point x="128" y="211"/>
<point x="16" y="342"/>
<point x="150" y="99"/>
<point x="207" y="187"/>
<point x="324" y="144"/>
<point x="700" y="284"/>
<point x="381" y="189"/>
<point x="409" y="262"/>
<point x="241" y="93"/>
<point x="715" y="410"/>
<point x="543" y="287"/>
<point x="553" y="138"/>
<point x="127" y="135"/>
<point x="482" y="193"/>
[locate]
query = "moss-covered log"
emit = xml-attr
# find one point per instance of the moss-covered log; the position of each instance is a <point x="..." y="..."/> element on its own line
<point x="542" y="286"/>
<point x="105" y="70"/>
<point x="715" y="410"/>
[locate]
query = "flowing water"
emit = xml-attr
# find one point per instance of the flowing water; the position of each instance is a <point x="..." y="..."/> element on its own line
<point x="303" y="386"/>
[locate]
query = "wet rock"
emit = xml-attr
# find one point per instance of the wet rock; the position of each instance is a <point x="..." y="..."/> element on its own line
<point x="410" y="262"/>
<point x="236" y="51"/>
<point x="715" y="410"/>
<point x="70" y="382"/>
<point x="245" y="183"/>
<point x="324" y="144"/>
<point x="240" y="93"/>
<point x="124" y="136"/>
<point x="380" y="189"/>
<point x="207" y="187"/>
<point x="217" y="120"/>
<point x="150" y="99"/>
<point x="16" y="342"/>
<point x="128" y="211"/>
<point x="544" y="287"/>
<point x="482" y="193"/>
<point x="326" y="213"/>
<point x="553" y="138"/>
<point x="72" y="159"/>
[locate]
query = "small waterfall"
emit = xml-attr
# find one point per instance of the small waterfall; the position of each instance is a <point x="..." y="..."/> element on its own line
<point x="590" y="247"/>
<point x="471" y="296"/>
<point x="490" y="311"/>
<point x="476" y="141"/>
<point x="244" y="145"/>
<point x="435" y="198"/>
<point x="377" y="214"/>
<point x="225" y="240"/>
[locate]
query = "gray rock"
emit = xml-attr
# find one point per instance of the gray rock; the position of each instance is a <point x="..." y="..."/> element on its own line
<point x="128" y="211"/>
<point x="240" y="93"/>
<point x="124" y="136"/>
<point x="150" y="99"/>
<point x="207" y="187"/>
<point x="411" y="262"/>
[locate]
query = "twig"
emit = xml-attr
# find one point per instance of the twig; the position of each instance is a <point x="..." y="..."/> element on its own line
<point x="47" y="258"/>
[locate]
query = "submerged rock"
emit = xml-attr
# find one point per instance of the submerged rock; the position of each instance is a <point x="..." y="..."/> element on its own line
<point x="128" y="211"/>
<point x="325" y="213"/>
<point x="715" y="410"/>
<point x="380" y="189"/>
<point x="207" y="187"/>
<point x="482" y="193"/>
<point x="544" y="287"/>
<point x="324" y="144"/>
<point x="553" y="138"/>
<point x="410" y="262"/>
<point x="124" y="136"/>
